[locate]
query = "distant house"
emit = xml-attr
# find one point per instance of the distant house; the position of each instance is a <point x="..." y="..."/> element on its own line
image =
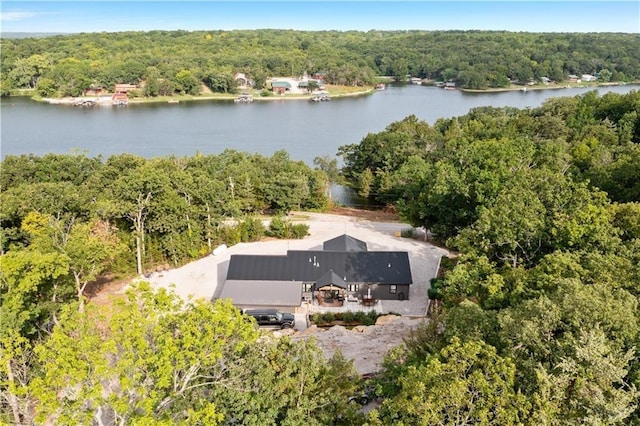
<point x="588" y="77"/>
<point x="573" y="78"/>
<point x="121" y="93"/>
<point x="343" y="268"/>
<point x="450" y="85"/>
<point x="94" y="90"/>
<point x="320" y="75"/>
<point x="280" y="87"/>
<point x="305" y="83"/>
<point x="241" y="80"/>
<point x="124" y="88"/>
<point x="545" y="80"/>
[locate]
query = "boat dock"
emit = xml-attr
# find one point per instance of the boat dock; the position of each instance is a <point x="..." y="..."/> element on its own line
<point x="244" y="98"/>
<point x="320" y="97"/>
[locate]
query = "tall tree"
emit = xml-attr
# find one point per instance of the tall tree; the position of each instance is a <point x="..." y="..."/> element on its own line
<point x="146" y="362"/>
<point x="466" y="383"/>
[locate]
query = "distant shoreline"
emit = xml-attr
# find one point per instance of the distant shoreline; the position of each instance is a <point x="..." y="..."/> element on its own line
<point x="306" y="97"/>
<point x="190" y="98"/>
<point x="555" y="86"/>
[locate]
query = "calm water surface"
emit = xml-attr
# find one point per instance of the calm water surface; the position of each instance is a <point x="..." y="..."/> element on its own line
<point x="304" y="129"/>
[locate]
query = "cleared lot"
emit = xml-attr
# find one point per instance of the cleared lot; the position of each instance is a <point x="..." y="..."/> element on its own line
<point x="204" y="278"/>
<point x="367" y="346"/>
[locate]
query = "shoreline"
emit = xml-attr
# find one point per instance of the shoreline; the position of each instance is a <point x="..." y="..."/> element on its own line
<point x="306" y="97"/>
<point x="513" y="88"/>
<point x="190" y="98"/>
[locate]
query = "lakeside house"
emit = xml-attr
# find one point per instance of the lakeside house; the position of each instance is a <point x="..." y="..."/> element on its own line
<point x="124" y="88"/>
<point x="242" y="81"/>
<point x="94" y="90"/>
<point x="343" y="269"/>
<point x="280" y="87"/>
<point x="292" y="85"/>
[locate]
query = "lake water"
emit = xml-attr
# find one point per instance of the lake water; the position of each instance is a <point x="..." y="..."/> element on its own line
<point x="304" y="129"/>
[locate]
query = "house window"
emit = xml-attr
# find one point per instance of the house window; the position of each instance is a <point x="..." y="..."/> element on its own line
<point x="352" y="288"/>
<point x="393" y="289"/>
<point x="307" y="287"/>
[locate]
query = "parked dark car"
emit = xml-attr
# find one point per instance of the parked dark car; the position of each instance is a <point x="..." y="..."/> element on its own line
<point x="367" y="395"/>
<point x="272" y="318"/>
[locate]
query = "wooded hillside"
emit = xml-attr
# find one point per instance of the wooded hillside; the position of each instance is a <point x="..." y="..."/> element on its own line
<point x="179" y="61"/>
<point x="537" y="321"/>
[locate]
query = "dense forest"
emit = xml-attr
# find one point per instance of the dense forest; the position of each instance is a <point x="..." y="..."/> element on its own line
<point x="535" y="321"/>
<point x="181" y="61"/>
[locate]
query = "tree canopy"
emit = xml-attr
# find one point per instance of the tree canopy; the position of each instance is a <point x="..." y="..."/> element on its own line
<point x="183" y="61"/>
<point x="541" y="205"/>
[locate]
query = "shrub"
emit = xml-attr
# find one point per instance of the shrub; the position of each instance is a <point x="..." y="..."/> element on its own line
<point x="277" y="228"/>
<point x="230" y="234"/>
<point x="251" y="229"/>
<point x="299" y="230"/>
<point x="408" y="233"/>
<point x="348" y="316"/>
<point x="282" y="228"/>
<point x="434" y="291"/>
<point x="371" y="317"/>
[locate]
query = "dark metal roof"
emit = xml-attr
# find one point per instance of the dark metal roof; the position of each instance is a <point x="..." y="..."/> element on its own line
<point x="330" y="278"/>
<point x="363" y="266"/>
<point x="257" y="267"/>
<point x="344" y="243"/>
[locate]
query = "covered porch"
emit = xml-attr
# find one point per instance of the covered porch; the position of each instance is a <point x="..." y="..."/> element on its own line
<point x="330" y="290"/>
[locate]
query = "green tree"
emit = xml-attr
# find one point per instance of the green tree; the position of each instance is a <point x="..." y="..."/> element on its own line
<point x="312" y="85"/>
<point x="72" y="76"/>
<point x="88" y="247"/>
<point x="16" y="372"/>
<point x="134" y="196"/>
<point x="187" y="82"/>
<point x="587" y="387"/>
<point x="27" y="71"/>
<point x="46" y="87"/>
<point x="166" y="87"/>
<point x="604" y="75"/>
<point x="465" y="383"/>
<point x="30" y="291"/>
<point x="542" y="332"/>
<point x="288" y="383"/>
<point x="149" y="362"/>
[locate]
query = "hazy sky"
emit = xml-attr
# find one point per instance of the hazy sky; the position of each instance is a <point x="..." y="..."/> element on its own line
<point x="533" y="16"/>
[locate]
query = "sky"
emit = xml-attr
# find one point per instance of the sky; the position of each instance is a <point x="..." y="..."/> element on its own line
<point x="119" y="15"/>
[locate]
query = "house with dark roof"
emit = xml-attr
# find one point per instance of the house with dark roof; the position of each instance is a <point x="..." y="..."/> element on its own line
<point x="344" y="243"/>
<point x="343" y="268"/>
